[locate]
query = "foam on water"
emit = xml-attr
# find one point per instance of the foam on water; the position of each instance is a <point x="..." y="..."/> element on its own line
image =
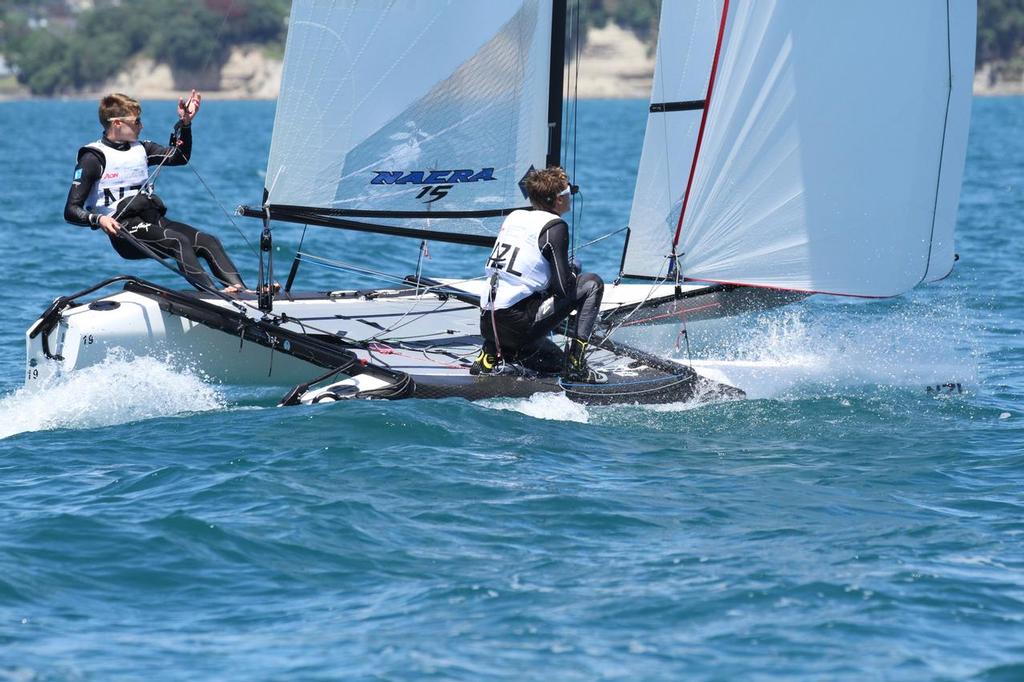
<point x="552" y="406"/>
<point x="796" y="352"/>
<point x="116" y="391"/>
<point x="802" y="352"/>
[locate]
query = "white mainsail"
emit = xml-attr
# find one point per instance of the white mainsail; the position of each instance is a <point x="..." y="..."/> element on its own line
<point x="411" y="107"/>
<point x="833" y="150"/>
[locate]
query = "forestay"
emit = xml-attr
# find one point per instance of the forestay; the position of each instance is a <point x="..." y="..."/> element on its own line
<point x="406" y="112"/>
<point x="833" y="150"/>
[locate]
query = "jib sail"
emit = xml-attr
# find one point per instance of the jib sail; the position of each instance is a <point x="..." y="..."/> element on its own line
<point x="833" y="150"/>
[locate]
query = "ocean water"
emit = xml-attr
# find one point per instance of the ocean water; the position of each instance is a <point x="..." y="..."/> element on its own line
<point x="844" y="523"/>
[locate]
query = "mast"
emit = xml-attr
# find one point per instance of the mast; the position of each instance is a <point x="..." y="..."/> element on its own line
<point x="555" y="82"/>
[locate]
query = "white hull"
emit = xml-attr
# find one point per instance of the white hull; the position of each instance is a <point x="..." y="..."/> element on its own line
<point x="431" y="335"/>
<point x="138" y="327"/>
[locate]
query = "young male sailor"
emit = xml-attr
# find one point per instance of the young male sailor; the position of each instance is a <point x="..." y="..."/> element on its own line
<point x="533" y="285"/>
<point x="112" y="191"/>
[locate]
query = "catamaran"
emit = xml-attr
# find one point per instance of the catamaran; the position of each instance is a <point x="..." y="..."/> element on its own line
<point x="791" y="148"/>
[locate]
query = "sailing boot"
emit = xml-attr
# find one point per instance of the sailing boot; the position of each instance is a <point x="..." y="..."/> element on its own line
<point x="576" y="368"/>
<point x="486" y="362"/>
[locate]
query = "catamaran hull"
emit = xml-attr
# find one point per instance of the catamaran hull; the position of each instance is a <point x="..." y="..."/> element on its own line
<point x="130" y="324"/>
<point x="382" y="344"/>
<point x="649" y="389"/>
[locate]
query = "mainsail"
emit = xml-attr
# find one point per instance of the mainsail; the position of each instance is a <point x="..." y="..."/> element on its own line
<point x="833" y="151"/>
<point x="414" y="117"/>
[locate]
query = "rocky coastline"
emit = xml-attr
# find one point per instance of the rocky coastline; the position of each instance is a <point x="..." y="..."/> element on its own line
<point x="615" y="64"/>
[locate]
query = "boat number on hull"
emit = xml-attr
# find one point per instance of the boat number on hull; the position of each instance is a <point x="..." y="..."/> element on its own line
<point x="33" y="373"/>
<point x="88" y="340"/>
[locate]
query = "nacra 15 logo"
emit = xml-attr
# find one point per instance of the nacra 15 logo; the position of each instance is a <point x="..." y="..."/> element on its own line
<point x="436" y="183"/>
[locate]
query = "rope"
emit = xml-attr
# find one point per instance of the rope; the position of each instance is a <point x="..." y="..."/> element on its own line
<point x="399" y="325"/>
<point x="601" y="238"/>
<point x="343" y="267"/>
<point x="385" y="349"/>
<point x="637" y="307"/>
<point x="222" y="208"/>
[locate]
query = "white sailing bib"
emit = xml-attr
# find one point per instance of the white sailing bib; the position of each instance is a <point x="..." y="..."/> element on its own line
<point x="516" y="258"/>
<point x="125" y="174"/>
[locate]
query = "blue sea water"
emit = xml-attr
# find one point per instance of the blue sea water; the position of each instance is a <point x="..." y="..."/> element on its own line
<point x="842" y="524"/>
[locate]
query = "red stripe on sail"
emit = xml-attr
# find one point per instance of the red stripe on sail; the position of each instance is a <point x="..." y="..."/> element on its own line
<point x="703" y="120"/>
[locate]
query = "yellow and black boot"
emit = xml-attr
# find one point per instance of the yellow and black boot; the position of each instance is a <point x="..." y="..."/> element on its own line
<point x="485" y="363"/>
<point x="576" y="368"/>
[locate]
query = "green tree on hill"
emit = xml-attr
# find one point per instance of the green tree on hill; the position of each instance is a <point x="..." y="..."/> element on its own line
<point x="639" y="16"/>
<point x="186" y="34"/>
<point x="1001" y="37"/>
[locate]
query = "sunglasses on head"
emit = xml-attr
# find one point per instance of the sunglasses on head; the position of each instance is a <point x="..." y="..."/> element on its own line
<point x="571" y="189"/>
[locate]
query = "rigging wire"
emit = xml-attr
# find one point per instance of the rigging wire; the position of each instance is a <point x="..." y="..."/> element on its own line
<point x="570" y="118"/>
<point x="348" y="267"/>
<point x="601" y="238"/>
<point x="222" y="208"/>
<point x="416" y="300"/>
<point x="220" y="31"/>
<point x="662" y="279"/>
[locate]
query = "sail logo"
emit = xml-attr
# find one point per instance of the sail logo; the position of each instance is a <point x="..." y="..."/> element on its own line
<point x="435" y="183"/>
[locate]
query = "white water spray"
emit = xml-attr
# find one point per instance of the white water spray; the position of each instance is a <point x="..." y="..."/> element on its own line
<point x="551" y="406"/>
<point x="805" y="352"/>
<point x="117" y="391"/>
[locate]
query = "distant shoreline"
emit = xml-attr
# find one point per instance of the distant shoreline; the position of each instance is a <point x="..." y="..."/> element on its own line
<point x="215" y="95"/>
<point x="615" y="64"/>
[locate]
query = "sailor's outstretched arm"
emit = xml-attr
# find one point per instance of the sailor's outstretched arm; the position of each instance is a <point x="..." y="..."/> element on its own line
<point x="179" y="148"/>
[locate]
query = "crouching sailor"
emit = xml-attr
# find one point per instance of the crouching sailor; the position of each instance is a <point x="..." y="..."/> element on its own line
<point x="534" y="287"/>
<point x="111" y="191"/>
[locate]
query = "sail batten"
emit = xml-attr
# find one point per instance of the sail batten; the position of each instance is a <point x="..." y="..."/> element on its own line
<point x="669" y="107"/>
<point x="826" y="165"/>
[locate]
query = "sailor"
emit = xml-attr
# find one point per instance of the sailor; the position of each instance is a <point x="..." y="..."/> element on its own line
<point x="533" y="286"/>
<point x="112" y="191"/>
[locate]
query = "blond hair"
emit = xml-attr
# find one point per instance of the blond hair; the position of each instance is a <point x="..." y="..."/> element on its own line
<point x="543" y="186"/>
<point x="118" y="105"/>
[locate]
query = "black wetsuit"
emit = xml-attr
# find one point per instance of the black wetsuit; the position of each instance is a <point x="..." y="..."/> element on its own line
<point x="144" y="218"/>
<point x="523" y="324"/>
